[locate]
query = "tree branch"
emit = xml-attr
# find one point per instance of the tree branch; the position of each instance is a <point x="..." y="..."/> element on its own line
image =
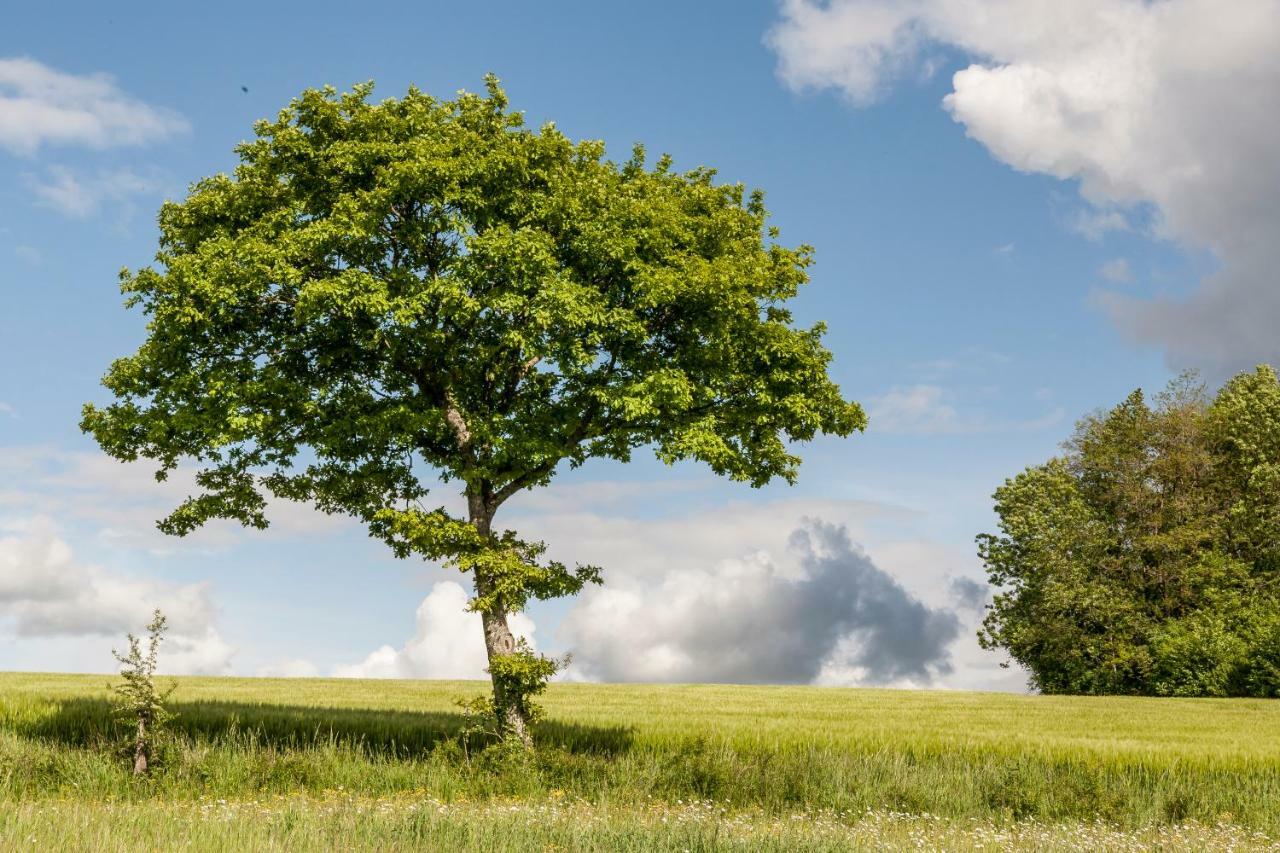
<point x="459" y="425"/>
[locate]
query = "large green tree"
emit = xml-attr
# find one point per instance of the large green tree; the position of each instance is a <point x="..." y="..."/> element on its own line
<point x="388" y="294"/>
<point x="1146" y="558"/>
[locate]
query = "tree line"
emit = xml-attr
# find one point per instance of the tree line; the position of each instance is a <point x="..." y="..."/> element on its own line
<point x="1146" y="558"/>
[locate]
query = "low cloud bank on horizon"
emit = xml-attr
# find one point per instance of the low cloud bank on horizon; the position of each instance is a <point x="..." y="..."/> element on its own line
<point x="817" y="611"/>
<point x="820" y="613"/>
<point x="753" y="593"/>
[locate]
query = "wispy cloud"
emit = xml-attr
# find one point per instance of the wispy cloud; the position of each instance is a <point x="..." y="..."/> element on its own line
<point x="122" y="501"/>
<point x="927" y="409"/>
<point x="1095" y="223"/>
<point x="915" y="410"/>
<point x="41" y="106"/>
<point x="80" y="196"/>
<point x="970" y="361"/>
<point x="1116" y="271"/>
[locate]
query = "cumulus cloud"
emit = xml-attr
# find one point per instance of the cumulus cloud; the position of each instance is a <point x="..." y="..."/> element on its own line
<point x="448" y="642"/>
<point x="969" y="593"/>
<point x="46" y="592"/>
<point x="751" y="592"/>
<point x="857" y="47"/>
<point x="823" y="612"/>
<point x="40" y="105"/>
<point x="1172" y="105"/>
<point x="80" y="196"/>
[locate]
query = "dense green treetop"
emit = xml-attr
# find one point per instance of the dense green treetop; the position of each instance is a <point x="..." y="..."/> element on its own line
<point x="430" y="279"/>
<point x="1146" y="559"/>
<point x="386" y="294"/>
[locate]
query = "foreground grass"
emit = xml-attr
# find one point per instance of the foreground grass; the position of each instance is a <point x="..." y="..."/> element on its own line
<point x="698" y="767"/>
<point x="416" y="822"/>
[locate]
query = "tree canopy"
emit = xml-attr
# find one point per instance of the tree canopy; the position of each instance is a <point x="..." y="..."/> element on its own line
<point x="1146" y="558"/>
<point x="386" y="294"/>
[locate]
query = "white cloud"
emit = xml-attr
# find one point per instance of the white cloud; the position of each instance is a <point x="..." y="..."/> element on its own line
<point x="448" y="642"/>
<point x="1173" y="105"/>
<point x="29" y="255"/>
<point x="1116" y="271"/>
<point x="857" y="47"/>
<point x="6" y="409"/>
<point x="40" y="106"/>
<point x="82" y="196"/>
<point x="46" y="592"/>
<point x="196" y="654"/>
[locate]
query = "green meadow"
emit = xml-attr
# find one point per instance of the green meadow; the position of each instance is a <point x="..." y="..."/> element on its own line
<point x="287" y="764"/>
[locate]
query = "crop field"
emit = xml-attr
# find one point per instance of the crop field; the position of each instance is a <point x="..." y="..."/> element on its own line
<point x="318" y="763"/>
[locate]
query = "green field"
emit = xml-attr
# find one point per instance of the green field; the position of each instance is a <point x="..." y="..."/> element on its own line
<point x="259" y="763"/>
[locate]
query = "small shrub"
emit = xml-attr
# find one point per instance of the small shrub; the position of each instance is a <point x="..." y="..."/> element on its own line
<point x="138" y="700"/>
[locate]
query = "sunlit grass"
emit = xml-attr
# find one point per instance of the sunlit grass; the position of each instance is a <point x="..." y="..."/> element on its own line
<point x="378" y="753"/>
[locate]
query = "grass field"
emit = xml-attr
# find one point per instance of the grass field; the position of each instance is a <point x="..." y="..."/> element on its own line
<point x="294" y="764"/>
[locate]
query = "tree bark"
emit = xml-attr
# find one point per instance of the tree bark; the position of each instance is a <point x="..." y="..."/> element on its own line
<point x="498" y="639"/>
<point x="140" y="749"/>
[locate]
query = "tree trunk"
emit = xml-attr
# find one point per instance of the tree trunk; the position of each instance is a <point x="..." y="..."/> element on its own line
<point x="140" y="749"/>
<point x="498" y="639"/>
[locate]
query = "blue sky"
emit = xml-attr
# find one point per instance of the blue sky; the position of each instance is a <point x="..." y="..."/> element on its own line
<point x="983" y="287"/>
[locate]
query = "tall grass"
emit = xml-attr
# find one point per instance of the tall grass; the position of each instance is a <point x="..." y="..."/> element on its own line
<point x="994" y="758"/>
<point x="351" y="823"/>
